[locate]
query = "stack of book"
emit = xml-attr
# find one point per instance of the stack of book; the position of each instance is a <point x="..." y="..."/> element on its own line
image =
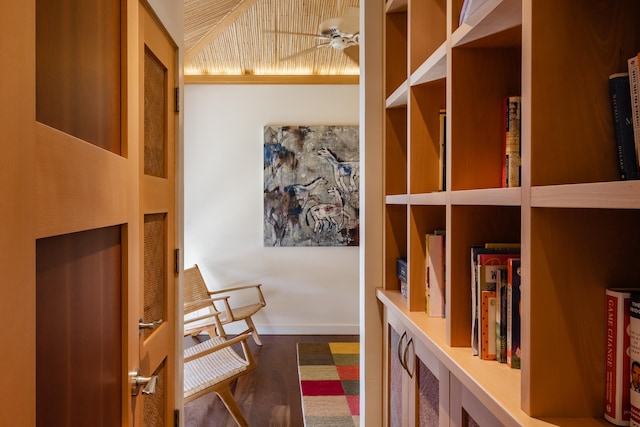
<point x="495" y="302"/>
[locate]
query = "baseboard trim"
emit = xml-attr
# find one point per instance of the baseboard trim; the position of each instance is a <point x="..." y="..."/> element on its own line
<point x="298" y="329"/>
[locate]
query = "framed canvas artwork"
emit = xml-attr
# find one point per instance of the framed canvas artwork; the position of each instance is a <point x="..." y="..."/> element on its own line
<point x="311" y="186"/>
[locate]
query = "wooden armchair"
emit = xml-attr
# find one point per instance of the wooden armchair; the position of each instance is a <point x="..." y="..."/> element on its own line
<point x="222" y="310"/>
<point x="211" y="367"/>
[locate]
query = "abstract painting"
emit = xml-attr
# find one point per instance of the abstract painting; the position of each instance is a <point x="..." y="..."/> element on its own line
<point x="311" y="186"/>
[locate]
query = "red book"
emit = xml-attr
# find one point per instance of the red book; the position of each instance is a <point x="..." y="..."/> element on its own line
<point x="617" y="373"/>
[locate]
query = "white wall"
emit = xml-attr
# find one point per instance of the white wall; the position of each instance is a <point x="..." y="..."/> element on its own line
<point x="309" y="290"/>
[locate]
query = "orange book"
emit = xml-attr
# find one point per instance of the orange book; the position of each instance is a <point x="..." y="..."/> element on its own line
<point x="487" y="325"/>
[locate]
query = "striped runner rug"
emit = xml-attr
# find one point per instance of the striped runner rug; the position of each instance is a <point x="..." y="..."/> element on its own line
<point x="330" y="383"/>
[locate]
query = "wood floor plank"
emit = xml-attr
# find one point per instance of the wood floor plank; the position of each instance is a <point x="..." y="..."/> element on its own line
<point x="270" y="395"/>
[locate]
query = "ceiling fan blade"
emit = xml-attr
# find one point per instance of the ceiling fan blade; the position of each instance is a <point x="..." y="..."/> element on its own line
<point x="350" y="23"/>
<point x="353" y="52"/>
<point x="305" y="51"/>
<point x="320" y="36"/>
<point x="330" y="26"/>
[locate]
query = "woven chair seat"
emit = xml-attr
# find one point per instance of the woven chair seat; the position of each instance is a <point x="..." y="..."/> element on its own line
<point x="240" y="312"/>
<point x="212" y="368"/>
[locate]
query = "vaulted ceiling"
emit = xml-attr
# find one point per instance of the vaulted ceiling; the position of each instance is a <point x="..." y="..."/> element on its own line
<point x="243" y="39"/>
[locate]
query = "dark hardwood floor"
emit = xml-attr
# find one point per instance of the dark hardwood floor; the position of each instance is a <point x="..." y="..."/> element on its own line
<point x="268" y="396"/>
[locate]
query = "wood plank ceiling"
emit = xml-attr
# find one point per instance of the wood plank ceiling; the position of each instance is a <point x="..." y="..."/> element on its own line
<point x="241" y="39"/>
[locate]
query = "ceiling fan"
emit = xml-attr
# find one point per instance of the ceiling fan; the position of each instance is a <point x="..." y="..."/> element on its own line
<point x="338" y="33"/>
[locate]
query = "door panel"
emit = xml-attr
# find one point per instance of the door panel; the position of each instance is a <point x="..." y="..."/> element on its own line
<point x="78" y="340"/>
<point x="78" y="69"/>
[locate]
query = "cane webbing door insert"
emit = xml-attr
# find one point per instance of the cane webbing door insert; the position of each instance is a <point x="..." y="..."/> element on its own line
<point x="154" y="413"/>
<point x="428" y="396"/>
<point x="155" y="269"/>
<point x="155" y="119"/>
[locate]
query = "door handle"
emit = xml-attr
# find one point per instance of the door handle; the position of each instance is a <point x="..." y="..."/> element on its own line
<point x="138" y="381"/>
<point x="406" y="360"/>
<point x="151" y="326"/>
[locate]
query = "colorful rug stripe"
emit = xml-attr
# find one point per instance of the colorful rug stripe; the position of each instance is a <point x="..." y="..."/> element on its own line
<point x="330" y="383"/>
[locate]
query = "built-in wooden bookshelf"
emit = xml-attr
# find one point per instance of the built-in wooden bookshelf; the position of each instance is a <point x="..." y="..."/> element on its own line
<point x="578" y="224"/>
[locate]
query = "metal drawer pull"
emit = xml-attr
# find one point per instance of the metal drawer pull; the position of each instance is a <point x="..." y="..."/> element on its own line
<point x="404" y="357"/>
<point x="401" y="358"/>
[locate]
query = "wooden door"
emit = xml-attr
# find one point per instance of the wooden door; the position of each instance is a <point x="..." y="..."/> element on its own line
<point x="98" y="224"/>
<point x="158" y="257"/>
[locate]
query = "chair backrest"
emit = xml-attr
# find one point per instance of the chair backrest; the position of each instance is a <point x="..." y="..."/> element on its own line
<point x="195" y="289"/>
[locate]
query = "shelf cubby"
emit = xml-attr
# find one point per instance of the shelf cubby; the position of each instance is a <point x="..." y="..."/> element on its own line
<point x="396" y="71"/>
<point x="422" y="220"/>
<point x="427" y="30"/>
<point x="468" y="226"/>
<point x="482" y="76"/>
<point x="572" y="131"/>
<point x="396" y="151"/>
<point x="395" y="242"/>
<point x="575" y="254"/>
<point x="425" y="102"/>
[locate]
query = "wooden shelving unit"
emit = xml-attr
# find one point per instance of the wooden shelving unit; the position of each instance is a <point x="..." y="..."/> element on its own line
<point x="577" y="223"/>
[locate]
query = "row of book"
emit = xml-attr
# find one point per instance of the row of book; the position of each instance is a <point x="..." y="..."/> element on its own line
<point x="622" y="361"/>
<point x="624" y="89"/>
<point x="495" y="302"/>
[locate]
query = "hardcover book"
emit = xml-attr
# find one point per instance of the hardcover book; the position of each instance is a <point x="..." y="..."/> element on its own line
<point x="501" y="317"/>
<point x="488" y="277"/>
<point x="511" y="142"/>
<point x="634" y="358"/>
<point x="442" y="158"/>
<point x="487" y="326"/>
<point x="513" y="313"/>
<point x="617" y="366"/>
<point x="620" y="93"/>
<point x="634" y="88"/>
<point x="435" y="274"/>
<point x="401" y="274"/>
<point x="469" y="7"/>
<point x="401" y="268"/>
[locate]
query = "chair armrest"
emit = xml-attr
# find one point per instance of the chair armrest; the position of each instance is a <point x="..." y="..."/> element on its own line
<point x="197" y="302"/>
<point x="203" y="317"/>
<point x="235" y="288"/>
<point x="258" y="288"/>
<point x="248" y="356"/>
